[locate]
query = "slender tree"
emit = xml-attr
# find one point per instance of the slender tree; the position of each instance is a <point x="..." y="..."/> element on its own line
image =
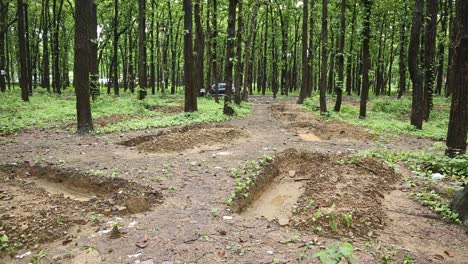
<point x="238" y="69"/>
<point x="340" y="57"/>
<point x="323" y="75"/>
<point x="231" y="36"/>
<point x="366" y="35"/>
<point x="190" y="95"/>
<point x="81" y="70"/>
<point x="142" y="74"/>
<point x="305" y="52"/>
<point x="458" y="124"/>
<point x="22" y="52"/>
<point x="402" y="55"/>
<point x="429" y="55"/>
<point x="248" y="52"/>
<point x="413" y="65"/>
<point x="199" y="48"/>
<point x="93" y="52"/>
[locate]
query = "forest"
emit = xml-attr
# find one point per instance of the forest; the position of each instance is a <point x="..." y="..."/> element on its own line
<point x="236" y="131"/>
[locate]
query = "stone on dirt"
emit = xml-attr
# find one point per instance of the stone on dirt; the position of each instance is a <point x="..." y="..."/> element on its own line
<point x="460" y="205"/>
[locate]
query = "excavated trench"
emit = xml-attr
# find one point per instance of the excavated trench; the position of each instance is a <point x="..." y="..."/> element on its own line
<point x="331" y="195"/>
<point x="188" y="137"/>
<point x="39" y="204"/>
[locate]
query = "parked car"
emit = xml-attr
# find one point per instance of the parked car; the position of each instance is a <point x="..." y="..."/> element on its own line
<point x="221" y="89"/>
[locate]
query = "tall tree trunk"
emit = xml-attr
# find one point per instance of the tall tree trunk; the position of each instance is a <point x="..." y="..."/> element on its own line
<point x="214" y="48"/>
<point x="190" y="95"/>
<point x="305" y="52"/>
<point x="429" y="55"/>
<point x="390" y="64"/>
<point x="310" y="59"/>
<point x="81" y="70"/>
<point x="23" y="78"/>
<point x="3" y="31"/>
<point x="340" y="57"/>
<point x="238" y="71"/>
<point x="413" y="65"/>
<point x="142" y="75"/>
<point x="349" y="78"/>
<point x="323" y="77"/>
<point x="231" y="34"/>
<point x="199" y="49"/>
<point x="366" y="32"/>
<point x="152" y="63"/>
<point x="93" y="52"/>
<point x="209" y="51"/>
<point x="441" y="48"/>
<point x="28" y="48"/>
<point x="115" y="59"/>
<point x="458" y="124"/>
<point x="402" y="59"/>
<point x="57" y="14"/>
<point x="451" y="50"/>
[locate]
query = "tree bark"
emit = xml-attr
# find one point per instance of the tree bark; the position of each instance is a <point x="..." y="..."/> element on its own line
<point x="190" y="95"/>
<point x="429" y="55"/>
<point x="458" y="124"/>
<point x="305" y="52"/>
<point x="366" y="32"/>
<point x="231" y="33"/>
<point x="402" y="56"/>
<point x="413" y="65"/>
<point x="23" y="78"/>
<point x="93" y="52"/>
<point x="199" y="72"/>
<point x="115" y="59"/>
<point x="82" y="69"/>
<point x="142" y="75"/>
<point x="323" y="77"/>
<point x="238" y="70"/>
<point x="340" y="57"/>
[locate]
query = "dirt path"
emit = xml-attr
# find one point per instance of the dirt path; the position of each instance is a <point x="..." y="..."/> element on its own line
<point x="193" y="223"/>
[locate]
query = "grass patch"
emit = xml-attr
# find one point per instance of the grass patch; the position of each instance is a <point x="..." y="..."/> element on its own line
<point x="52" y="111"/>
<point x="391" y="115"/>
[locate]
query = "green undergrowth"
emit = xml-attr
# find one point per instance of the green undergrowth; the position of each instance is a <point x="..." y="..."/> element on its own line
<point x="436" y="194"/>
<point x="389" y="115"/>
<point x="53" y="111"/>
<point x="246" y="176"/>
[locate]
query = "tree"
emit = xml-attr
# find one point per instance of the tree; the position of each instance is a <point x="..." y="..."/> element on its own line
<point x="82" y="69"/>
<point x="413" y="65"/>
<point x="115" y="44"/>
<point x="305" y="52"/>
<point x="199" y="49"/>
<point x="402" y="56"/>
<point x="238" y="71"/>
<point x="430" y="32"/>
<point x="323" y="75"/>
<point x="142" y="75"/>
<point x="22" y="52"/>
<point x="458" y="124"/>
<point x="366" y="35"/>
<point x="231" y="33"/>
<point x="93" y="52"/>
<point x="340" y="57"/>
<point x="248" y="52"/>
<point x="190" y="95"/>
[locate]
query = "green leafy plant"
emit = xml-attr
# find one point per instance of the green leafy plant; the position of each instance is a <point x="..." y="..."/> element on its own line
<point x="4" y="243"/>
<point x="335" y="253"/>
<point x="37" y="258"/>
<point x="348" y="219"/>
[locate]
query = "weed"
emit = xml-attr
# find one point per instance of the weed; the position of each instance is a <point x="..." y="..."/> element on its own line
<point x="348" y="219"/>
<point x="214" y="211"/>
<point x="37" y="258"/>
<point x="335" y="253"/>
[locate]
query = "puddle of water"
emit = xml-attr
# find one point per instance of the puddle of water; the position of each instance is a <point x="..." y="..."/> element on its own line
<point x="309" y="137"/>
<point x="277" y="202"/>
<point x="67" y="191"/>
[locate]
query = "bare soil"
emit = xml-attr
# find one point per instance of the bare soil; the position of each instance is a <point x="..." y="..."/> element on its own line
<point x="41" y="204"/>
<point x="170" y="109"/>
<point x="312" y="128"/>
<point x="187" y="137"/>
<point x="314" y="191"/>
<point x="194" y="225"/>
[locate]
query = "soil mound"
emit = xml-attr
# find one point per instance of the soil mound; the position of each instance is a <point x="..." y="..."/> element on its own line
<point x="307" y="125"/>
<point x="187" y="137"/>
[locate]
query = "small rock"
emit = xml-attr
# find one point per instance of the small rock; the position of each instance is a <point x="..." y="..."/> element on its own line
<point x="149" y="261"/>
<point x="227" y="217"/>
<point x="437" y="177"/>
<point x="292" y="173"/>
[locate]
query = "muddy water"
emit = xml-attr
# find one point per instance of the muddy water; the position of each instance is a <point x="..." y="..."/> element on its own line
<point x="277" y="201"/>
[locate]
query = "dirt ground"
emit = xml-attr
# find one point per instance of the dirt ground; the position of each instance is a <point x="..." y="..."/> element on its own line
<point x="190" y="222"/>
